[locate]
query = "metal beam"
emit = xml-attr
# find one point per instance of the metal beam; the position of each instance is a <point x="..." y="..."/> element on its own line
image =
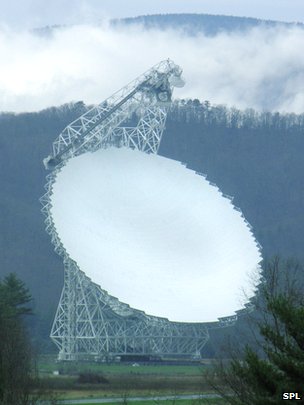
<point x="89" y="322"/>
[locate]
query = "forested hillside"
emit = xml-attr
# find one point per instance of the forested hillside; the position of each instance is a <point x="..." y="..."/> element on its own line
<point x="255" y="157"/>
<point x="189" y="24"/>
<point x="194" y="24"/>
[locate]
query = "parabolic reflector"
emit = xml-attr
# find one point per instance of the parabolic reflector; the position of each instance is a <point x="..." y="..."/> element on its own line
<point x="154" y="234"/>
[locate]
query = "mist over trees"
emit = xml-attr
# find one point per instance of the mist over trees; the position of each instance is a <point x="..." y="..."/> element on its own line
<point x="267" y="78"/>
<point x="190" y="24"/>
<point x="256" y="157"/>
<point x="194" y="24"/>
<point x="194" y="111"/>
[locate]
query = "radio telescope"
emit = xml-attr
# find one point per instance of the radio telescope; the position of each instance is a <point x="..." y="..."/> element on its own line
<point x="153" y="253"/>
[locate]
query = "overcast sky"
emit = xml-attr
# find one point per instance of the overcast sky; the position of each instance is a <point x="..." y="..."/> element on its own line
<point x="262" y="68"/>
<point x="35" y="13"/>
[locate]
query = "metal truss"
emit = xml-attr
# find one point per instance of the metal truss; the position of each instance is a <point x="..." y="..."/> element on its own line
<point x="147" y="96"/>
<point x="90" y="322"/>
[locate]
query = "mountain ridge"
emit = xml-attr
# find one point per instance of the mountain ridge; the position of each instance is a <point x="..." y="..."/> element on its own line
<point x="207" y="24"/>
<point x="189" y="23"/>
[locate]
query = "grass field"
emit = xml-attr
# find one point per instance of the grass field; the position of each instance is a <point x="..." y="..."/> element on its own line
<point x="202" y="401"/>
<point x="121" y="379"/>
<point x="48" y="364"/>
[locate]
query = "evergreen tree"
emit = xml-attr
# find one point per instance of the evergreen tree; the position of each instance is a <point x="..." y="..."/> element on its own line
<point x="261" y="377"/>
<point x="15" y="353"/>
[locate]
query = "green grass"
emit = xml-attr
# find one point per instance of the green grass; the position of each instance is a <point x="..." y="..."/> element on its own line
<point x="211" y="401"/>
<point x="48" y="364"/>
<point x="117" y="384"/>
<point x="142" y="380"/>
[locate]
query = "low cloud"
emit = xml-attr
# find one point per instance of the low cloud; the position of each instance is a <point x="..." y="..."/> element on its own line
<point x="262" y="68"/>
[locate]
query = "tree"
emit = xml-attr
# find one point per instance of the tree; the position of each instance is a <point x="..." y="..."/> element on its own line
<point x="261" y="377"/>
<point x="15" y="352"/>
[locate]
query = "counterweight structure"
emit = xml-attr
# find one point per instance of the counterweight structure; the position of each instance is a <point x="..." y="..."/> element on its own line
<point x="89" y="322"/>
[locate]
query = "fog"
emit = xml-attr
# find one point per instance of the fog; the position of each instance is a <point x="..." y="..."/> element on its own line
<point x="154" y="234"/>
<point x="262" y="69"/>
<point x="35" y="13"/>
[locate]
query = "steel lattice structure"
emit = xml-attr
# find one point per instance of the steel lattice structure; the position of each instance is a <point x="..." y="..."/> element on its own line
<point x="89" y="321"/>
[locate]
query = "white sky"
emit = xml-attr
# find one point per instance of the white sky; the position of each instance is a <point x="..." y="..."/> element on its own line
<point x="36" y="13"/>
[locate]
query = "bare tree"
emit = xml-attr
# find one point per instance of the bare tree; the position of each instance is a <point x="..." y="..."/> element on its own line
<point x="259" y="377"/>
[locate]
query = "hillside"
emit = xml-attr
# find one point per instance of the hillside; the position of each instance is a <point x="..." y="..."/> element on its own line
<point x="193" y="24"/>
<point x="255" y="157"/>
<point x="189" y="24"/>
